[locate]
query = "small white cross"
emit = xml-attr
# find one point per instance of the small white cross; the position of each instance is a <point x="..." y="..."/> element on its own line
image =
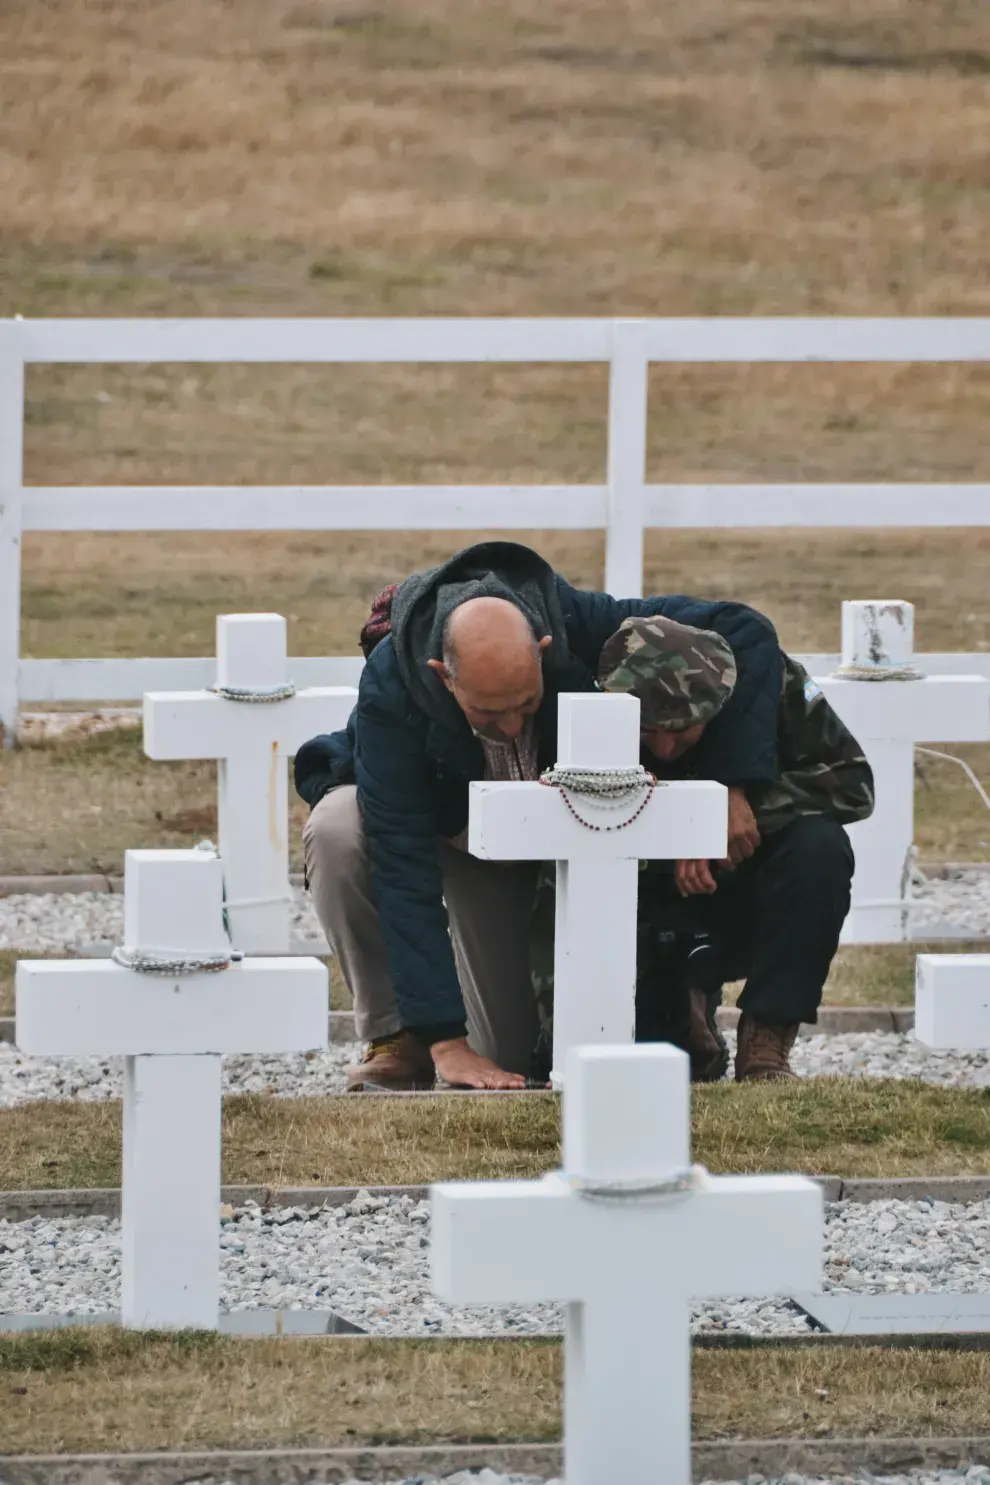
<point x="252" y="743"/>
<point x="952" y="1001"/>
<point x="888" y="718"/>
<point x="628" y="1266"/>
<point x="597" y="872"/>
<point x="172" y="1031"/>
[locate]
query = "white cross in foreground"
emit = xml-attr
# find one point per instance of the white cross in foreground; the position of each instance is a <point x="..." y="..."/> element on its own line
<point x="626" y="1265"/>
<point x="597" y="872"/>
<point x="888" y="718"/>
<point x="252" y="743"/>
<point x="952" y="1001"/>
<point x="172" y="1031"/>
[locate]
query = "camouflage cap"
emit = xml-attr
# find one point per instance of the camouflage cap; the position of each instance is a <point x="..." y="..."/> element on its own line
<point x="682" y="676"/>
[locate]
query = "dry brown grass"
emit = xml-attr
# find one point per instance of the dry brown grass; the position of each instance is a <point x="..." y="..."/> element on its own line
<point x="89" y="1391"/>
<point x="78" y="806"/>
<point x="746" y="156"/>
<point x="882" y="974"/>
<point x="822" y="1127"/>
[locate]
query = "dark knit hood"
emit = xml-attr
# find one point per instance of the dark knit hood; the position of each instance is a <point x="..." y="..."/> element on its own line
<point x="424" y="602"/>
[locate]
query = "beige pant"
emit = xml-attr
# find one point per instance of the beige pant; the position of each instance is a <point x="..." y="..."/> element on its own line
<point x="489" y="904"/>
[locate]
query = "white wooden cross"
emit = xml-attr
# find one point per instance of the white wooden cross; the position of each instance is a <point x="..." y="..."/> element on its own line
<point x="952" y="1001"/>
<point x="252" y="743"/>
<point x="888" y="718"/>
<point x="172" y="1031"/>
<point x="597" y="872"/>
<point x="602" y="1237"/>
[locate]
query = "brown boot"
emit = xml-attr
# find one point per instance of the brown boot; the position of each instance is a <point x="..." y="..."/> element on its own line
<point x="763" y="1049"/>
<point x="706" y="1045"/>
<point x="400" y="1063"/>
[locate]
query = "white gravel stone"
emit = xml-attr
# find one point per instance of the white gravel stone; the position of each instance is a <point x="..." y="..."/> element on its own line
<point x="64" y="922"/>
<point x="293" y="1075"/>
<point x="868" y="1054"/>
<point x="963" y="898"/>
<point x="971" y="1475"/>
<point x="58" y="922"/>
<point x="368" y="1261"/>
<point x="974" y="1475"/>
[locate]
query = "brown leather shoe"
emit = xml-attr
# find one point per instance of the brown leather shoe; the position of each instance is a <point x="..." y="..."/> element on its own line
<point x="400" y="1064"/>
<point x="763" y="1050"/>
<point x="706" y="1045"/>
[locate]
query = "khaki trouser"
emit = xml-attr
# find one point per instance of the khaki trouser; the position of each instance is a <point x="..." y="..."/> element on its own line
<point x="489" y="904"/>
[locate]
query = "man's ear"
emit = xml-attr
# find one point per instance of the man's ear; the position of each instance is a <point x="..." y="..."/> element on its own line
<point x="438" y="667"/>
<point x="544" y="643"/>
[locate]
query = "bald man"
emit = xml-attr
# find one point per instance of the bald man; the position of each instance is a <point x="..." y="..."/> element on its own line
<point x="465" y="666"/>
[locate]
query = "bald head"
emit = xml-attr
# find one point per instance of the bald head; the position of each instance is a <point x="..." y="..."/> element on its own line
<point x="492" y="665"/>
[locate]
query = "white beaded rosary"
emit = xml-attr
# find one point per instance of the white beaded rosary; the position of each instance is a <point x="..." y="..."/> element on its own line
<point x="609" y="788"/>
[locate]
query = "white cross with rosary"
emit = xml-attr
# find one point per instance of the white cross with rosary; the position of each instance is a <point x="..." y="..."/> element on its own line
<point x="604" y="816"/>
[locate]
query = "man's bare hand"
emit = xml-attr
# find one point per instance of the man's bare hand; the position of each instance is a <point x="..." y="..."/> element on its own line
<point x="693" y="877"/>
<point x="744" y="834"/>
<point x="456" y="1063"/>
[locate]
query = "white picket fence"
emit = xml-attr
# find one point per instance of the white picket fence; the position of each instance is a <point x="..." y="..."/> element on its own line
<point x="625" y="506"/>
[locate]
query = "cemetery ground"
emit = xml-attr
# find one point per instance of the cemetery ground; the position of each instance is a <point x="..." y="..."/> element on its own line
<point x="422" y="158"/>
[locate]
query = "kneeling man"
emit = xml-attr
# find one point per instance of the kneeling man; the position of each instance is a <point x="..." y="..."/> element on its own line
<point x="772" y="911"/>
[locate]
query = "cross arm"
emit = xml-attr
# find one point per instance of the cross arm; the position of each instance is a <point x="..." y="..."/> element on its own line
<point x="94" y="1007"/>
<point x="940" y="708"/>
<point x="758" y="1235"/>
<point x="501" y="1242"/>
<point x="198" y="724"/>
<point x="530" y="822"/>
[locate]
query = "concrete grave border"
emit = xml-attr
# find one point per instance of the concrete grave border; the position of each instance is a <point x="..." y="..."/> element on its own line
<point x="712" y="1460"/>
<point x="19" y="1206"/>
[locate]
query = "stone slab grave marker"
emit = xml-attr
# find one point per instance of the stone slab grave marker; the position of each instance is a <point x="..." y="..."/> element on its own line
<point x="626" y="1235"/>
<point x="252" y="744"/>
<point x="952" y="1001"/>
<point x="171" y="1029"/>
<point x="597" y="867"/>
<point x="889" y="716"/>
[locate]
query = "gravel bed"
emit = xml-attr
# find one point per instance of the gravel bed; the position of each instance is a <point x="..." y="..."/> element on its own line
<point x="975" y="1475"/>
<point x="62" y="922"/>
<point x="290" y="1075"/>
<point x="887" y="1054"/>
<point x="57" y="922"/>
<point x="962" y="898"/>
<point x="369" y="1262"/>
<point x="867" y="1054"/>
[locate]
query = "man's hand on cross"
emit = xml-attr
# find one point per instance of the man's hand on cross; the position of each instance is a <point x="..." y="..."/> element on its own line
<point x="693" y="878"/>
<point x="457" y="1064"/>
<point x="744" y="834"/>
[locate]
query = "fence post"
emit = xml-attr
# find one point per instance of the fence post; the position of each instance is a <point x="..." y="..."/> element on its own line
<point x="11" y="509"/>
<point x="627" y="399"/>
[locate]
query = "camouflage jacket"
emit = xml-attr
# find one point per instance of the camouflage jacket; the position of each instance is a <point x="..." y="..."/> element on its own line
<point x="822" y="768"/>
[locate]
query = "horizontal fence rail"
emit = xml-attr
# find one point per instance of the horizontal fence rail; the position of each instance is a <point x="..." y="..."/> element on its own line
<point x="492" y="507"/>
<point x="128" y="679"/>
<point x="625" y="506"/>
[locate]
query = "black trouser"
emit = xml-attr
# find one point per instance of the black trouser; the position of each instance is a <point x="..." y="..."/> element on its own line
<point x="774" y="921"/>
